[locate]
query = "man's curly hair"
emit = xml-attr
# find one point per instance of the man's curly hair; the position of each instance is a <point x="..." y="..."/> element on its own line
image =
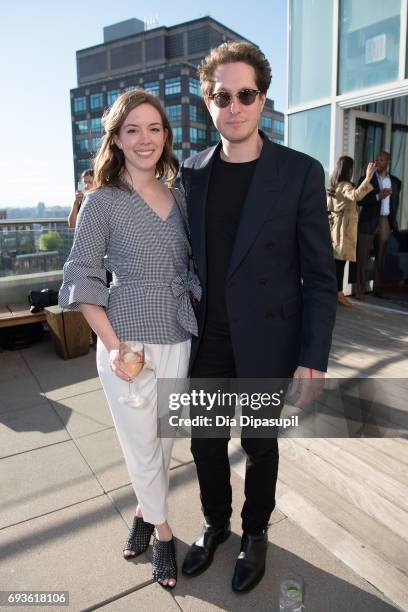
<point x="231" y="52"/>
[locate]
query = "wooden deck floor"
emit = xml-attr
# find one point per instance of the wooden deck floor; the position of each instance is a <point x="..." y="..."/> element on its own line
<point x="352" y="494"/>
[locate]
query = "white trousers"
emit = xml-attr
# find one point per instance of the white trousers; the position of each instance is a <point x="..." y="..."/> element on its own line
<point x="147" y="456"/>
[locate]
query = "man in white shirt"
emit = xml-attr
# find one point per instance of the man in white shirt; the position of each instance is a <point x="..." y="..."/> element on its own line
<point x="376" y="221"/>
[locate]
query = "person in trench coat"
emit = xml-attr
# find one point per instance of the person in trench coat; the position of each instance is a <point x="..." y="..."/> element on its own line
<point x="343" y="216"/>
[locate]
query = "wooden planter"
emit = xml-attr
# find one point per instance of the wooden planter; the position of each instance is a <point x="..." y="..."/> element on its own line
<point x="69" y="330"/>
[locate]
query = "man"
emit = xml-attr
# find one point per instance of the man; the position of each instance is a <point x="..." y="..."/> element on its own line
<point x="376" y="221"/>
<point x="261" y="242"/>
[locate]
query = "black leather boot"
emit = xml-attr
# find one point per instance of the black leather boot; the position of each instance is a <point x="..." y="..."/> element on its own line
<point x="250" y="565"/>
<point x="201" y="553"/>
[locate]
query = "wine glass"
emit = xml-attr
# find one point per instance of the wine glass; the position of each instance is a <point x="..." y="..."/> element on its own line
<point x="132" y="360"/>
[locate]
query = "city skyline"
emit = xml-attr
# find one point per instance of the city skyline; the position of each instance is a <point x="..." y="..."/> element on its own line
<point x="36" y="165"/>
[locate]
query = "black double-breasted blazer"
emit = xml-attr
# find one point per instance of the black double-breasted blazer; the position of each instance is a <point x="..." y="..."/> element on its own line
<point x="280" y="287"/>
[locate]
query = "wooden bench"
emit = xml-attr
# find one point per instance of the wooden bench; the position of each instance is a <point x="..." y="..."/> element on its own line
<point x="19" y="314"/>
<point x="69" y="330"/>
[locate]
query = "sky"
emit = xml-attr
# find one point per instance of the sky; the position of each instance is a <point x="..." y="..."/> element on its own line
<point x="38" y="42"/>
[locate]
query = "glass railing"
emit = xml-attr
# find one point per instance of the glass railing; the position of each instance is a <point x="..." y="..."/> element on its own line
<point x="33" y="246"/>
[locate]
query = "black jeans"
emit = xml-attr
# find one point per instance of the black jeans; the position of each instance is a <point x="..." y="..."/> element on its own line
<point x="340" y="265"/>
<point x="215" y="360"/>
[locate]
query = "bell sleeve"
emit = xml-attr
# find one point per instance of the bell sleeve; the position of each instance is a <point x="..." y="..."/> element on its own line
<point x="84" y="273"/>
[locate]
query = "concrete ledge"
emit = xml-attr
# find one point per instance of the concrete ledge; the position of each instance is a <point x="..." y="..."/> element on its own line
<point x="16" y="288"/>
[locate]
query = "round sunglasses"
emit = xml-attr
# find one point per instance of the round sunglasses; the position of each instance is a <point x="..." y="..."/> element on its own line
<point x="222" y="99"/>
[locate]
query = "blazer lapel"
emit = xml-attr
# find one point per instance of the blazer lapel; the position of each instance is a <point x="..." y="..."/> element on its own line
<point x="375" y="183"/>
<point x="196" y="206"/>
<point x="265" y="185"/>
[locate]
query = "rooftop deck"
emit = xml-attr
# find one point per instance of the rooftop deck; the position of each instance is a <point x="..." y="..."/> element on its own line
<point x="66" y="503"/>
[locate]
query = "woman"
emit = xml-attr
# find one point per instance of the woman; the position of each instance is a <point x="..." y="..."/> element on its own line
<point x="87" y="178"/>
<point x="132" y="225"/>
<point x="343" y="215"/>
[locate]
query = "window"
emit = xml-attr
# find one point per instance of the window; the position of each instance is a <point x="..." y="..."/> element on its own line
<point x="96" y="143"/>
<point x="174" y="112"/>
<point x="80" y="105"/>
<point x="91" y="65"/>
<point x="278" y="141"/>
<point x="194" y="87"/>
<point x="216" y="38"/>
<point x="174" y="45"/>
<point x="179" y="154"/>
<point x="154" y="48"/>
<point x="310" y="56"/>
<point x="214" y="137"/>
<point x="266" y="123"/>
<point x="198" y="39"/>
<point x="177" y="134"/>
<point x="309" y="132"/>
<point x="172" y="86"/>
<point x="153" y="87"/>
<point x="81" y="127"/>
<point x="112" y="95"/>
<point x="96" y="101"/>
<point x="96" y="125"/>
<point x="198" y="136"/>
<point x="82" y="165"/>
<point x="126" y="56"/>
<point x="369" y="43"/>
<point x="278" y="126"/>
<point x="82" y="146"/>
<point x="197" y="114"/>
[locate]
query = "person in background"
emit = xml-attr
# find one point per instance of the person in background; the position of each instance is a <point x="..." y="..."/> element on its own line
<point x="87" y="178"/>
<point x="377" y="220"/>
<point x="134" y="224"/>
<point x="343" y="215"/>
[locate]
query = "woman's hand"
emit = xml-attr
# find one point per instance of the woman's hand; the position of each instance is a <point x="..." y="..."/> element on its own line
<point x="72" y="217"/>
<point x="371" y="168"/>
<point x="99" y="322"/>
<point x="79" y="196"/>
<point x="115" y="365"/>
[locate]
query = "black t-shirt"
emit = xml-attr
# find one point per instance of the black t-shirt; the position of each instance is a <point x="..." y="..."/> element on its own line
<point x="227" y="191"/>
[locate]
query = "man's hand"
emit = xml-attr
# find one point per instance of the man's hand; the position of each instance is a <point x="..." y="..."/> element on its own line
<point x="308" y="383"/>
<point x="384" y="193"/>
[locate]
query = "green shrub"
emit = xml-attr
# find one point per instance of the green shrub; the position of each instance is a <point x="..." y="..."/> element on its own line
<point x="50" y="241"/>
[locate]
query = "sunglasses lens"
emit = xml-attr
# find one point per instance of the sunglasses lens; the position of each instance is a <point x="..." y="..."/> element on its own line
<point x="247" y="96"/>
<point x="222" y="99"/>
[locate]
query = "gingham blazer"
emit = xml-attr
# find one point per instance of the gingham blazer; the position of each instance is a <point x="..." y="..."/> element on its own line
<point x="149" y="298"/>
